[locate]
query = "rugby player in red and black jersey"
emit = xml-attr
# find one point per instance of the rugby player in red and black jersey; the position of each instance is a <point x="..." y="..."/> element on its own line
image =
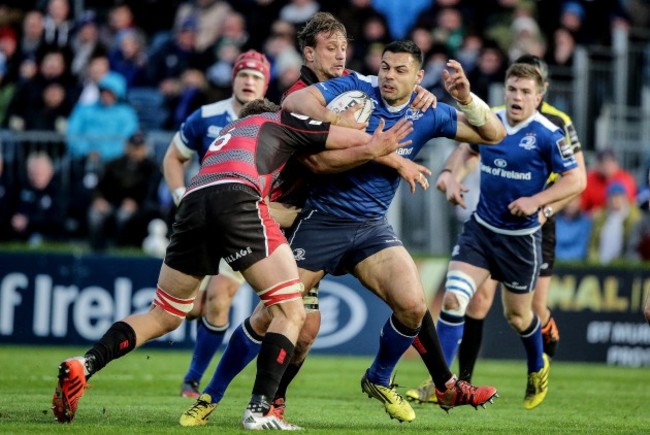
<point x="224" y="214"/>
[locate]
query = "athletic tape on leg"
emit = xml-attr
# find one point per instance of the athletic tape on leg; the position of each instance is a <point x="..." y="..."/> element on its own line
<point x="174" y="306"/>
<point x="281" y="292"/>
<point x="463" y="287"/>
<point x="310" y="300"/>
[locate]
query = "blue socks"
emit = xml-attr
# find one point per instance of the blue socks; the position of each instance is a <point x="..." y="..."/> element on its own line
<point x="395" y="338"/>
<point x="450" y="332"/>
<point x="532" y="339"/>
<point x="243" y="347"/>
<point x="208" y="340"/>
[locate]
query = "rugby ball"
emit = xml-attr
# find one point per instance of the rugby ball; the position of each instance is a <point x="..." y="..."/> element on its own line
<point x="348" y="99"/>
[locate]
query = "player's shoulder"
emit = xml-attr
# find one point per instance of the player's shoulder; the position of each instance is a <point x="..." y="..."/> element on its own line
<point x="544" y="125"/>
<point x="558" y="117"/>
<point x="218" y="108"/>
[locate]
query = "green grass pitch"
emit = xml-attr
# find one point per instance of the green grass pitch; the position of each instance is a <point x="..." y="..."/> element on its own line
<point x="139" y="394"/>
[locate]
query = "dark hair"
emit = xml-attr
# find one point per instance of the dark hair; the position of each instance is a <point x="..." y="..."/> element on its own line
<point x="526" y="71"/>
<point x="405" y="46"/>
<point x="256" y="107"/>
<point x="531" y="59"/>
<point x="321" y="22"/>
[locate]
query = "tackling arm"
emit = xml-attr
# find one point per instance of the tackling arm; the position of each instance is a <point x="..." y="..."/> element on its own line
<point x="174" y="171"/>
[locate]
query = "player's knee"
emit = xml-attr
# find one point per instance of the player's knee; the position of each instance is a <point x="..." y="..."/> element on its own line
<point x="459" y="289"/>
<point x="310" y="328"/>
<point x="518" y="321"/>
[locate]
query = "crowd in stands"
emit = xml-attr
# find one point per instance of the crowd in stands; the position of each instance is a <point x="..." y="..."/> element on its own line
<point x="101" y="78"/>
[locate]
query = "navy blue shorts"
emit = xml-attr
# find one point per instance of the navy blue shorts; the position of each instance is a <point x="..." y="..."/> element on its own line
<point x="512" y="260"/>
<point x="335" y="245"/>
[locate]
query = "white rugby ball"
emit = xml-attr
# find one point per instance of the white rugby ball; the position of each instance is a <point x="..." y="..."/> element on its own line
<point x="348" y="99"/>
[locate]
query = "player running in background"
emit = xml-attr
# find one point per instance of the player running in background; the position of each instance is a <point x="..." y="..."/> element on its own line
<point x="479" y="306"/>
<point x="502" y="239"/>
<point x="224" y="214"/>
<point x="250" y="79"/>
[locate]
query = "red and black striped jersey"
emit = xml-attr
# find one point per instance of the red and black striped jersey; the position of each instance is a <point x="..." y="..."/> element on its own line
<point x="254" y="149"/>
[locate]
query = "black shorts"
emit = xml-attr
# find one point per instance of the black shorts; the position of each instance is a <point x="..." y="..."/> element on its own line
<point x="228" y="221"/>
<point x="548" y="247"/>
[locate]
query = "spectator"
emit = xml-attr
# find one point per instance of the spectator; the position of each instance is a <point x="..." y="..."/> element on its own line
<point x="208" y="17"/>
<point x="120" y="18"/>
<point x="9" y="54"/>
<point x="31" y="42"/>
<point x="29" y="94"/>
<point x="298" y="12"/>
<point x="52" y="113"/>
<point x="124" y="201"/>
<point x="190" y="96"/>
<point x="168" y="62"/>
<point x="639" y="242"/>
<point x="7" y="91"/>
<point x="612" y="226"/>
<point x="97" y="68"/>
<point x="101" y="128"/>
<point x="606" y="172"/>
<point x="490" y="70"/>
<point x="85" y="43"/>
<point x="573" y="230"/>
<point x="39" y="208"/>
<point x="401" y="16"/>
<point x="58" y="26"/>
<point x="129" y="58"/>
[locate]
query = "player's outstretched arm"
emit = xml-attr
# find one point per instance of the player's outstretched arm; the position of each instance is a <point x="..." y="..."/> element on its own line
<point x="476" y="122"/>
<point x="348" y="148"/>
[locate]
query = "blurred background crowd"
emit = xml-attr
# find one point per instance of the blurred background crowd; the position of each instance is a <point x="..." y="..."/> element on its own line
<point x="91" y="92"/>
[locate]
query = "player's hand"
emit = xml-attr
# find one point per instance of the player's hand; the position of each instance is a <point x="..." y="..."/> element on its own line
<point x="525" y="206"/>
<point x="414" y="173"/>
<point x="453" y="190"/>
<point x="385" y="142"/>
<point x="348" y="118"/>
<point x="423" y="99"/>
<point x="456" y="82"/>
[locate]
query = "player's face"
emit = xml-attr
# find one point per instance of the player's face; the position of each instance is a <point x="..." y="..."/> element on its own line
<point x="327" y="58"/>
<point x="248" y="86"/>
<point x="398" y="75"/>
<point x="522" y="98"/>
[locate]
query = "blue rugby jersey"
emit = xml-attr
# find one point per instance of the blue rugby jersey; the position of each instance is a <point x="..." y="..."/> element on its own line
<point x="366" y="191"/>
<point x="203" y="126"/>
<point x="517" y="167"/>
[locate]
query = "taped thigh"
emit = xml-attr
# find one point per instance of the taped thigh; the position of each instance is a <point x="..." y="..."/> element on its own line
<point x="175" y="306"/>
<point x="281" y="292"/>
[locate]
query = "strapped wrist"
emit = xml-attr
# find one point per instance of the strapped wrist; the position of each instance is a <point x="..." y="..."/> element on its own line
<point x="177" y="194"/>
<point x="477" y="111"/>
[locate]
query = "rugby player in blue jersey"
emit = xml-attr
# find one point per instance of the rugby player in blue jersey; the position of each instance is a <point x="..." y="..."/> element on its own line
<point x="502" y="239"/>
<point x="343" y="227"/>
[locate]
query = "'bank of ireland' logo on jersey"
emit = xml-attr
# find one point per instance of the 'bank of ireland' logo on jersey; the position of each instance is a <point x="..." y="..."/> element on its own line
<point x="528" y="142"/>
<point x="344" y="314"/>
<point x="213" y="131"/>
<point x="413" y="114"/>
